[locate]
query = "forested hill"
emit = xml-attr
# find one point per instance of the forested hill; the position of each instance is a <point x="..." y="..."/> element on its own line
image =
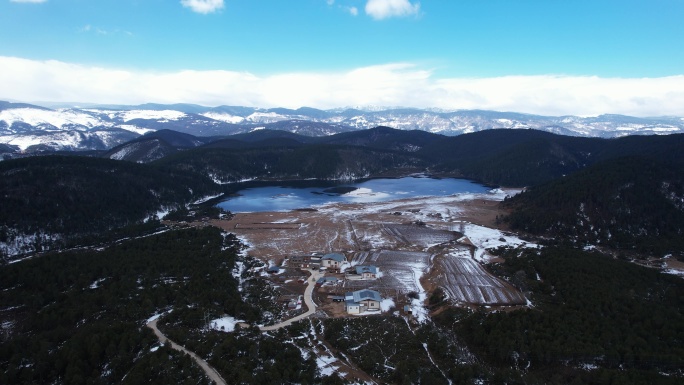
<point x="51" y="198"/>
<point x="529" y="157"/>
<point x="499" y="157"/>
<point x="631" y="203"/>
<point x="318" y="161"/>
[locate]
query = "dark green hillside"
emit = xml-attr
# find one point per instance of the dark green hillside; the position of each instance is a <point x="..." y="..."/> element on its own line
<point x="385" y="138"/>
<point x="262" y="135"/>
<point x="300" y="162"/>
<point x="530" y="157"/>
<point x="143" y="150"/>
<point x="626" y="203"/>
<point x="624" y="320"/>
<point x="499" y="157"/>
<point x="667" y="148"/>
<point x="512" y="157"/>
<point x="78" y="317"/>
<point x="177" y="139"/>
<point x="76" y="196"/>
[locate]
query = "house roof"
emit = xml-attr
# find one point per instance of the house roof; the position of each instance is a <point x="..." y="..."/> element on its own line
<point x="335" y="257"/>
<point x="366" y="269"/>
<point x="362" y="295"/>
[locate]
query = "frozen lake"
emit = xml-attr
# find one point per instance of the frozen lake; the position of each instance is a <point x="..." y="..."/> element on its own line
<point x="284" y="197"/>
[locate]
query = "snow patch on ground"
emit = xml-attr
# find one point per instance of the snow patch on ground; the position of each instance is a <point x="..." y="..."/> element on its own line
<point x="157" y="316"/>
<point x="360" y="195"/>
<point x="484" y="238"/>
<point x="325" y="365"/>
<point x="159" y="215"/>
<point x="224" y="324"/>
<point x="386" y="304"/>
<point x="206" y="198"/>
<point x="678" y="273"/>
<point x="418" y="310"/>
<point x="97" y="283"/>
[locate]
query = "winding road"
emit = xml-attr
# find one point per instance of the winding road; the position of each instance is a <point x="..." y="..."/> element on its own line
<point x="210" y="371"/>
<point x="308" y="300"/>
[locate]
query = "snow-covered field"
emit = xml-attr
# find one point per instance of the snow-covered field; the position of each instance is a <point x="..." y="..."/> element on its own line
<point x="466" y="281"/>
<point x="484" y="238"/>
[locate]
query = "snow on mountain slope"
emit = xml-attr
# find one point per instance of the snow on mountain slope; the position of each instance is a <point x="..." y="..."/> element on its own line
<point x="164" y="115"/>
<point x="24" y="125"/>
<point x="44" y="118"/>
<point x="266" y="117"/>
<point x="72" y="140"/>
<point x="223" y="117"/>
<point x="136" y="129"/>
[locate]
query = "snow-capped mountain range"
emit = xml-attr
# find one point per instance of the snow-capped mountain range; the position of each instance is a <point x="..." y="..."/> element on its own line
<point x="26" y="127"/>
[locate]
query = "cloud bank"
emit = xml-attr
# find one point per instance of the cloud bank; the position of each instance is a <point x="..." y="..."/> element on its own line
<point x="383" y="9"/>
<point x="203" y="6"/>
<point x="396" y="84"/>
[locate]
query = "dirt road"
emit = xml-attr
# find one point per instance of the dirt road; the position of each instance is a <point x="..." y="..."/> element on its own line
<point x="211" y="372"/>
<point x="308" y="300"/>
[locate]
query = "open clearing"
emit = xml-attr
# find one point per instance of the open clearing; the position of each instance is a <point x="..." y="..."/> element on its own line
<point x="408" y="240"/>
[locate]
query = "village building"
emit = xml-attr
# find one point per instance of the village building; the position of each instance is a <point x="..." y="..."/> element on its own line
<point x="333" y="261"/>
<point x="324" y="280"/>
<point x="361" y="301"/>
<point x="304" y="261"/>
<point x="367" y="272"/>
<point x="363" y="272"/>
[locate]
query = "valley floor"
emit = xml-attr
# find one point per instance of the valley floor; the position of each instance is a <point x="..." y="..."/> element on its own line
<point x="417" y="244"/>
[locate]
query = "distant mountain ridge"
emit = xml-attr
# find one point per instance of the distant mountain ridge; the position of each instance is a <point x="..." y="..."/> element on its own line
<point x="26" y="127"/>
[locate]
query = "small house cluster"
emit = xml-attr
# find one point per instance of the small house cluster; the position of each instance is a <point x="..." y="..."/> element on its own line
<point x="356" y="302"/>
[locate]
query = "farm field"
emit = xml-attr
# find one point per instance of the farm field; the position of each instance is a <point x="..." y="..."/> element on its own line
<point x="421" y="236"/>
<point x="408" y="240"/>
<point x="401" y="270"/>
<point x="466" y="281"/>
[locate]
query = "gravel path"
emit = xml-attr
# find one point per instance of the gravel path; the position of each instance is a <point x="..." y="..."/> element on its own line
<point x="211" y="372"/>
<point x="308" y="300"/>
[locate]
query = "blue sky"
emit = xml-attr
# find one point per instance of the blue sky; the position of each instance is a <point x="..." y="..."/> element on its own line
<point x="542" y="56"/>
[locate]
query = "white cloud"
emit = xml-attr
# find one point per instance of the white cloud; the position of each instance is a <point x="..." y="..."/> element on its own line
<point x="353" y="11"/>
<point x="203" y="6"/>
<point x="28" y="1"/>
<point x="330" y="2"/>
<point x="397" y="84"/>
<point x="383" y="9"/>
<point x="104" y="32"/>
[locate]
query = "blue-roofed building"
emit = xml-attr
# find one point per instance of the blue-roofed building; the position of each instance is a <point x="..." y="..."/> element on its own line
<point x="323" y="280"/>
<point x="367" y="272"/>
<point x="333" y="261"/>
<point x="361" y="301"/>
